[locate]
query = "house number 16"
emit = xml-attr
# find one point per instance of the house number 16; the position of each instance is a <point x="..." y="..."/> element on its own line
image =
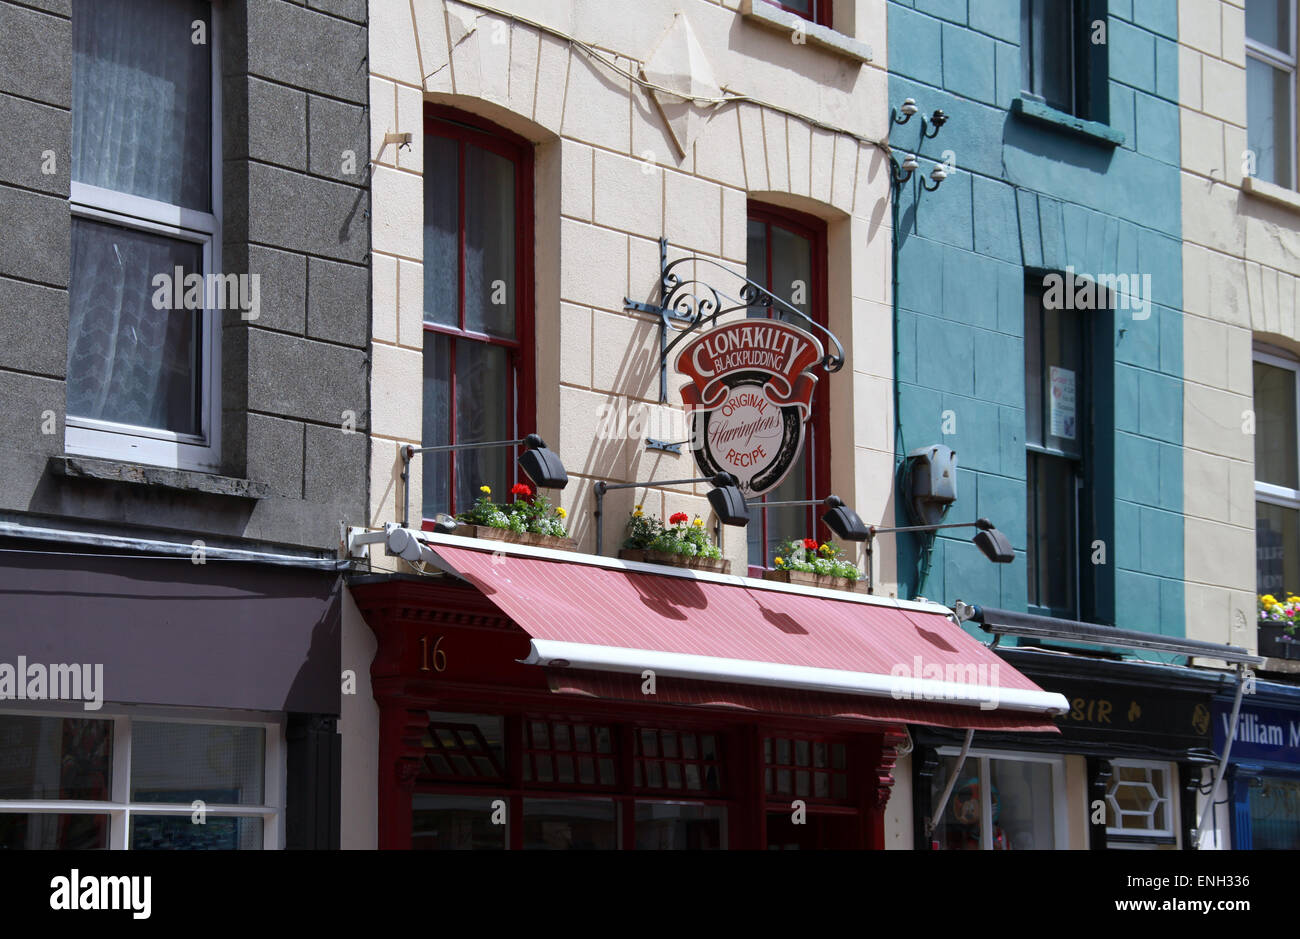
<point x="439" y="657"/>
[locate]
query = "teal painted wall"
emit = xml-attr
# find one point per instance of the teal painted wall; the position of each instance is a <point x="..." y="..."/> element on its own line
<point x="1032" y="197"/>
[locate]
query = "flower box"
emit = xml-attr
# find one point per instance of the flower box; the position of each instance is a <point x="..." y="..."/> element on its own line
<point x="716" y="565"/>
<point x="1275" y="643"/>
<point x="489" y="533"/>
<point x="817" y="580"/>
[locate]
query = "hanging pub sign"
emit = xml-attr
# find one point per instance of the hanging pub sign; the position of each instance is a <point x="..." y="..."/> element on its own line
<point x="749" y="399"/>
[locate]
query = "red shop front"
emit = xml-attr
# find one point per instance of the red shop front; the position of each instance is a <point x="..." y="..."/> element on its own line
<point x="535" y="699"/>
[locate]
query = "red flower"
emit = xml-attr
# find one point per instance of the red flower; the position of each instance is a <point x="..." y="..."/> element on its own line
<point x="677" y="518"/>
<point x="522" y="489"/>
<point x="810" y="544"/>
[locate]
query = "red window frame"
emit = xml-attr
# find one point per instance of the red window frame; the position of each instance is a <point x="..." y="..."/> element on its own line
<point x="450" y="123"/>
<point x="817" y="433"/>
<point x="821" y="11"/>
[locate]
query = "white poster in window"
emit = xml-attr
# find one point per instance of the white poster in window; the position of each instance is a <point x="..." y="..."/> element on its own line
<point x="1061" y="409"/>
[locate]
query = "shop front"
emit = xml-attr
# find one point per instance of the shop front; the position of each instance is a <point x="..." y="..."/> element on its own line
<point x="1123" y="773"/>
<point x="531" y="698"/>
<point x="152" y="702"/>
<point x="1264" y="769"/>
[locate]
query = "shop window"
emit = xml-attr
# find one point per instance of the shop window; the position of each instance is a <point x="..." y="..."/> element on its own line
<point x="815" y="11"/>
<point x="676" y="761"/>
<point x="808" y="769"/>
<point x="72" y="768"/>
<point x="1277" y="479"/>
<point x="456" y="823"/>
<point x="1275" y="814"/>
<point x="1061" y="63"/>
<point x="477" y="305"/>
<point x="143" y="369"/>
<point x="1058" y="409"/>
<point x="559" y="752"/>
<point x="465" y="747"/>
<point x="1001" y="801"/>
<point x="680" y="826"/>
<point x="570" y="825"/>
<point x="1271" y="89"/>
<point x="1140" y="805"/>
<point x="786" y="254"/>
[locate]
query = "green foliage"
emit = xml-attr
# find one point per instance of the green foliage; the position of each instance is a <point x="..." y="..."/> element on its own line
<point x="824" y="559"/>
<point x="686" y="538"/>
<point x="527" y="513"/>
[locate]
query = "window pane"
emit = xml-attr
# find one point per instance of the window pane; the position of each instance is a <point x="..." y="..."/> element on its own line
<point x="489" y="243"/>
<point x="41" y="831"/>
<point x="220" y="765"/>
<point x="756" y="258"/>
<point x="178" y="833"/>
<point x="1051" y="52"/>
<point x="55" y="758"/>
<point x="436" y="467"/>
<point x="142" y="99"/>
<point x="1023" y="805"/>
<point x="441" y="232"/>
<point x="129" y="362"/>
<point x="792" y="272"/>
<point x="670" y="826"/>
<point x="1034" y="364"/>
<point x="484" y="401"/>
<point x="1275" y="427"/>
<point x="1137" y="800"/>
<point x="455" y="823"/>
<point x="959" y="825"/>
<point x="1269" y="22"/>
<point x="1063" y="392"/>
<point x="1052" y="536"/>
<point x="1277" y="549"/>
<point x="564" y="825"/>
<point x="1268" y="120"/>
<point x="1275" y="815"/>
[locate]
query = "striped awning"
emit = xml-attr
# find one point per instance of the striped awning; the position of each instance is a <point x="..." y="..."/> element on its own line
<point x="602" y="628"/>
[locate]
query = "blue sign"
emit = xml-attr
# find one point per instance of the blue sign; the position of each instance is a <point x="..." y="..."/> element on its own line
<point x="1263" y="733"/>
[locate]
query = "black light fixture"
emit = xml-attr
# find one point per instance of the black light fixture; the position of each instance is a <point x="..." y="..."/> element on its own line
<point x="540" y="464"/>
<point x="840" y="519"/>
<point x="994" y="545"/>
<point x="726" y="499"/>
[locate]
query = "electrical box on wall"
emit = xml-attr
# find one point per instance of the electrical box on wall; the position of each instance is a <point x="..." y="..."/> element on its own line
<point x="931" y="477"/>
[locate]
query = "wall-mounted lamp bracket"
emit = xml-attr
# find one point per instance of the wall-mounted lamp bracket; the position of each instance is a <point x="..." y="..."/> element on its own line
<point x="689" y="304"/>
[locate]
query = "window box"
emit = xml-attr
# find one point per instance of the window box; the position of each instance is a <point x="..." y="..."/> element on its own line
<point x="645" y="556"/>
<point x="817" y="580"/>
<point x="489" y="533"/>
<point x="1275" y="643"/>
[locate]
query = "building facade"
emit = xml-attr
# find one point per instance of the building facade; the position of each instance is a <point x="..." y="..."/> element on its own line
<point x="184" y="291"/>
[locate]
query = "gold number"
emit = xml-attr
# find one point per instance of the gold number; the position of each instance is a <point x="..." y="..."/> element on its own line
<point x="439" y="657"/>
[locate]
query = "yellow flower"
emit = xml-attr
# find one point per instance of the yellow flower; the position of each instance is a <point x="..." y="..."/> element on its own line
<point x="486" y="490"/>
<point x="559" y="510"/>
<point x="698" y="523"/>
<point x="780" y="561"/>
<point x="638" y="513"/>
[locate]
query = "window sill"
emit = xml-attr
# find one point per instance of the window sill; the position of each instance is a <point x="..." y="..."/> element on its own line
<point x="184" y="480"/>
<point x="773" y="17"/>
<point x="1271" y="192"/>
<point x="1037" y="111"/>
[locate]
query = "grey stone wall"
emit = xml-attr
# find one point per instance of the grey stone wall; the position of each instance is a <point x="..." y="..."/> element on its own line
<point x="295" y="211"/>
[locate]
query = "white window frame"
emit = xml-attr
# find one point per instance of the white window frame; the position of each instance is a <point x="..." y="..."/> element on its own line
<point x="116" y="441"/>
<point x="120" y="807"/>
<point x="1170" y="831"/>
<point x="1285" y="62"/>
<point x="1060" y="821"/>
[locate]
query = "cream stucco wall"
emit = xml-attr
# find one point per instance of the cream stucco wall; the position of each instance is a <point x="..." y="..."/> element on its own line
<point x="1241" y="258"/>
<point x="609" y="182"/>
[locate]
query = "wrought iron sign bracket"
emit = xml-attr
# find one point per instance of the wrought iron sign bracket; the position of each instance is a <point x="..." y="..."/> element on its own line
<point x="687" y="304"/>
